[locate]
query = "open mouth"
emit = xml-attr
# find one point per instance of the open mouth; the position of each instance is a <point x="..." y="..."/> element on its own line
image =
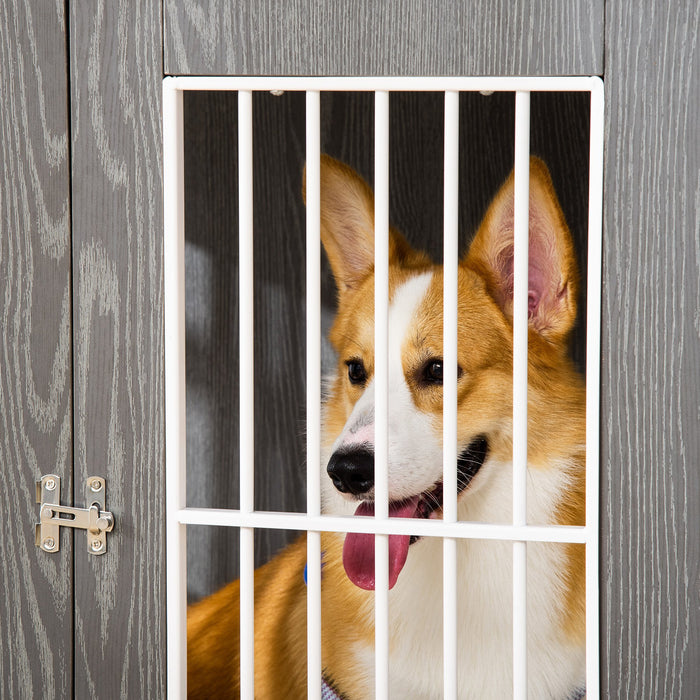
<point x="358" y="550"/>
<point x="468" y="464"/>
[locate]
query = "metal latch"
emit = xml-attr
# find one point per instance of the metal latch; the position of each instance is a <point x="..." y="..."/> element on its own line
<point x="52" y="515"/>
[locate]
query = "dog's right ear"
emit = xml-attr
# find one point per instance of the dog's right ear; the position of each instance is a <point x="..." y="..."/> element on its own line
<point x="347" y="222"/>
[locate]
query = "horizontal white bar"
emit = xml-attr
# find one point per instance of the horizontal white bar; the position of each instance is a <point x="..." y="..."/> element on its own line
<point x="387" y="83"/>
<point x="390" y="526"/>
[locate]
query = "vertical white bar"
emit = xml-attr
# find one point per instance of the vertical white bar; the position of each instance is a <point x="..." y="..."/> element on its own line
<point x="449" y="389"/>
<point x="246" y="393"/>
<point x="175" y="444"/>
<point x="520" y="337"/>
<point x="381" y="340"/>
<point x="313" y="388"/>
<point x="593" y="300"/>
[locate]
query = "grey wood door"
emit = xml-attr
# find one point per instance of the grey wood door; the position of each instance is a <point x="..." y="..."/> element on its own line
<point x="650" y="614"/>
<point x="81" y="347"/>
<point x="36" y="619"/>
<point x="81" y="350"/>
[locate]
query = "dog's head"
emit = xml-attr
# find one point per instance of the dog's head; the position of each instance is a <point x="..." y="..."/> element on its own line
<point x="485" y="342"/>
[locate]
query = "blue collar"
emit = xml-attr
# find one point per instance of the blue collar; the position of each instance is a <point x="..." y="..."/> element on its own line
<point x="328" y="692"/>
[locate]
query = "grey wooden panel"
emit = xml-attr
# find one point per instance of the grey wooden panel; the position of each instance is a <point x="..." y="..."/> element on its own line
<point x="36" y="622"/>
<point x="559" y="135"/>
<point x="651" y="353"/>
<point x="115" y="62"/>
<point x="402" y="37"/>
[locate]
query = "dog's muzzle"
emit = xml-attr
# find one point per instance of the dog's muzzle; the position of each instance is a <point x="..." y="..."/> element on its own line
<point x="352" y="470"/>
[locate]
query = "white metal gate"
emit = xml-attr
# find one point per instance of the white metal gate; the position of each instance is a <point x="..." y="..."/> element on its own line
<point x="449" y="529"/>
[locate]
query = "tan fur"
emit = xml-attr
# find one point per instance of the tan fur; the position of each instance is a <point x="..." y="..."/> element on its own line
<point x="556" y="425"/>
<point x="280" y="628"/>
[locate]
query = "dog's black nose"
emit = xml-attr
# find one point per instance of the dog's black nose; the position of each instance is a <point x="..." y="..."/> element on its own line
<point x="352" y="472"/>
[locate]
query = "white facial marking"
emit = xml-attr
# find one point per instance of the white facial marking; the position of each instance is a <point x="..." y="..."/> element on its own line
<point x="415" y="451"/>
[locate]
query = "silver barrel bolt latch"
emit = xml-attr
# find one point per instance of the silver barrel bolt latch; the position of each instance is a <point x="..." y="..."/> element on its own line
<point x="94" y="519"/>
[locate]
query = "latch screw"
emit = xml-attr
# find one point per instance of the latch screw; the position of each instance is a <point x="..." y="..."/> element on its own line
<point x="49" y="543"/>
<point x="50" y="484"/>
<point x="95" y="484"/>
<point x="96" y="545"/>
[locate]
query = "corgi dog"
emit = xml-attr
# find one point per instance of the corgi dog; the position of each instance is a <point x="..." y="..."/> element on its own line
<point x="555" y="473"/>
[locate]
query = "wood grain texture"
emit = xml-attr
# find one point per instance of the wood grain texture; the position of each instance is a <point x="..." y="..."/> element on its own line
<point x="651" y="353"/>
<point x="35" y="347"/>
<point x="559" y="135"/>
<point x="115" y="63"/>
<point x="403" y="37"/>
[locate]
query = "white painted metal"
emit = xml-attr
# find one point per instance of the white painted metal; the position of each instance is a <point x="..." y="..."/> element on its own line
<point x="388" y="83"/>
<point x="246" y="385"/>
<point x="392" y="526"/>
<point x="381" y="390"/>
<point x="449" y="396"/>
<point x="593" y="300"/>
<point x="313" y="388"/>
<point x="175" y="419"/>
<point x="178" y="516"/>
<point x="520" y="337"/>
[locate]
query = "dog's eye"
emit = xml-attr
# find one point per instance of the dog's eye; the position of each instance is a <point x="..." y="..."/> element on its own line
<point x="433" y="372"/>
<point x="356" y="372"/>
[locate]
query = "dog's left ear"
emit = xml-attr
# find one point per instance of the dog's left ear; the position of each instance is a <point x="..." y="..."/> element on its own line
<point x="553" y="274"/>
<point x="347" y="227"/>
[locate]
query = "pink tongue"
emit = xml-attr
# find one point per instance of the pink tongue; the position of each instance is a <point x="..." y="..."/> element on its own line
<point x="358" y="550"/>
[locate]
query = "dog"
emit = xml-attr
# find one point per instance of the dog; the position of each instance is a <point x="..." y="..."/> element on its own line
<point x="555" y="473"/>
